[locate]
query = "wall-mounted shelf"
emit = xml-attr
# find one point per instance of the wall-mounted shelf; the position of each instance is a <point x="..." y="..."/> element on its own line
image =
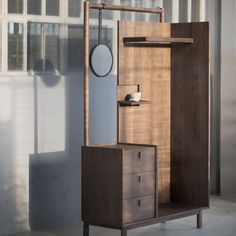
<point x="131" y="103"/>
<point x="156" y="41"/>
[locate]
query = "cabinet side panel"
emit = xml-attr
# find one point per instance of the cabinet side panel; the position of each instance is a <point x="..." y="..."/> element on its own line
<point x="190" y="115"/>
<point x="148" y="67"/>
<point x="102" y="186"/>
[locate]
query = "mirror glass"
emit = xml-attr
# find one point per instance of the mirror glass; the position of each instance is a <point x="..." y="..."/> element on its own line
<point x="101" y="60"/>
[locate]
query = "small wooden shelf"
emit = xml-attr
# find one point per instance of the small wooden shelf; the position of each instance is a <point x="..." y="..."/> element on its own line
<point x="130" y="103"/>
<point x="156" y="40"/>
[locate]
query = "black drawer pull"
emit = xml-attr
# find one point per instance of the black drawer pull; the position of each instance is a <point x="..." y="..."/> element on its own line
<point x="140" y="155"/>
<point x="140" y="178"/>
<point x="139" y="203"/>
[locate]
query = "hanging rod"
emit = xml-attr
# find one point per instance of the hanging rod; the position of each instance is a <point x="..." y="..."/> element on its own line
<point x="104" y="6"/>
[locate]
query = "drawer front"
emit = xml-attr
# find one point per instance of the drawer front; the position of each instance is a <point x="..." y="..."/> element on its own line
<point x="137" y="185"/>
<point x="139" y="160"/>
<point x="135" y="209"/>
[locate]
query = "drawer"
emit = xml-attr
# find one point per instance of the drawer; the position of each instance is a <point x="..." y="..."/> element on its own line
<point x="135" y="209"/>
<point x="138" y="160"/>
<point x="137" y="185"/>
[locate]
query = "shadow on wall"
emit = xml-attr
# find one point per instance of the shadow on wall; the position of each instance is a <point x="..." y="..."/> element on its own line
<point x="55" y="165"/>
<point x="53" y="172"/>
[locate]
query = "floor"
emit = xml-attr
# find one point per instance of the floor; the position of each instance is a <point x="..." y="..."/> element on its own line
<point x="219" y="220"/>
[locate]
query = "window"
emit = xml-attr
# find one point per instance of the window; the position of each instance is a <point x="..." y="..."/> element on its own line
<point x="74" y="8"/>
<point x="140" y="16"/>
<point x="52" y="47"/>
<point x="43" y="47"/>
<point x="52" y="7"/>
<point x="34" y="7"/>
<point x="35" y="31"/>
<point x="107" y="14"/>
<point x="75" y="48"/>
<point x="183" y="11"/>
<point x="123" y="14"/>
<point x="155" y="4"/>
<point x="15" y="6"/>
<point x="94" y="13"/>
<point x="15" y="46"/>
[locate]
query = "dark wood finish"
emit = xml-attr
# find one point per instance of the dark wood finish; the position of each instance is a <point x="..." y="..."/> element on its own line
<point x="116" y="184"/>
<point x="139" y="160"/>
<point x="190" y="116"/>
<point x="141" y="184"/>
<point x="136" y="209"/>
<point x="156" y="40"/>
<point x="101" y="171"/>
<point x="132" y="103"/>
<point x="171" y="208"/>
<point x="199" y="220"/>
<point x="177" y="215"/>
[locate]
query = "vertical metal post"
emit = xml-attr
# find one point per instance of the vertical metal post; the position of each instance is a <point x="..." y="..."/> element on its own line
<point x="162" y="16"/>
<point x="86" y="73"/>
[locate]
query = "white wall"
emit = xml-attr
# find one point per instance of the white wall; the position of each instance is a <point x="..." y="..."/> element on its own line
<point x="228" y="99"/>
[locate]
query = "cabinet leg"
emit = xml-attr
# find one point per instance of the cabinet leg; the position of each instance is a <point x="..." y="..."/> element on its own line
<point x="199" y="220"/>
<point x="86" y="229"/>
<point x="123" y="232"/>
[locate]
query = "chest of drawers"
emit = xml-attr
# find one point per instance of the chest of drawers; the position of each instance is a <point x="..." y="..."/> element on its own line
<point x="119" y="184"/>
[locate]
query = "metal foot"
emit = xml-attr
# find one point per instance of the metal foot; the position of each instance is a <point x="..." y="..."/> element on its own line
<point x="86" y="229"/>
<point x="199" y="220"/>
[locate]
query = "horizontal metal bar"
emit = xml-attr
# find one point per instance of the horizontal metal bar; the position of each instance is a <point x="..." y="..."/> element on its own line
<point x="104" y="6"/>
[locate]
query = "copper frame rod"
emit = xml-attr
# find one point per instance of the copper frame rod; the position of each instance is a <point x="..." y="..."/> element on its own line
<point x="102" y="6"/>
<point x="86" y="73"/>
<point x="125" y="8"/>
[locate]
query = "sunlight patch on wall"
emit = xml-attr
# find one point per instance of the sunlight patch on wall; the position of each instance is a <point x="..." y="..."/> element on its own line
<point x="51" y="115"/>
<point x="5" y="102"/>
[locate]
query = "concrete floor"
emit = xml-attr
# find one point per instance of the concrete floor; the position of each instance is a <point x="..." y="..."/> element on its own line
<point x="219" y="220"/>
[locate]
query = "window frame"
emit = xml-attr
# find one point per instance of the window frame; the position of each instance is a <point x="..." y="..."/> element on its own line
<point x="24" y="18"/>
<point x="43" y="48"/>
<point x="23" y="49"/>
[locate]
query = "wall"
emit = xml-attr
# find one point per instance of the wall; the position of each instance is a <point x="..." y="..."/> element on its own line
<point x="16" y="142"/>
<point x="228" y="99"/>
<point x="41" y="135"/>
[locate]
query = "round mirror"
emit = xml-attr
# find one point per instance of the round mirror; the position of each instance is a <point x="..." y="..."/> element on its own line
<point x="101" y="60"/>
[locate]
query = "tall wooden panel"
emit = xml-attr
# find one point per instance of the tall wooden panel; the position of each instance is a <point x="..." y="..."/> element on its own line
<point x="190" y="115"/>
<point x="148" y="67"/>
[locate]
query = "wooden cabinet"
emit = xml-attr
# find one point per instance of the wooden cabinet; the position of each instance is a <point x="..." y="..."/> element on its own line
<point x="120" y="188"/>
<point x="127" y="186"/>
<point x="119" y="184"/>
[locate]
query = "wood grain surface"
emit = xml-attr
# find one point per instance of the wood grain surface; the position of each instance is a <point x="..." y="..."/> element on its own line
<point x="190" y="116"/>
<point x="150" y="68"/>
